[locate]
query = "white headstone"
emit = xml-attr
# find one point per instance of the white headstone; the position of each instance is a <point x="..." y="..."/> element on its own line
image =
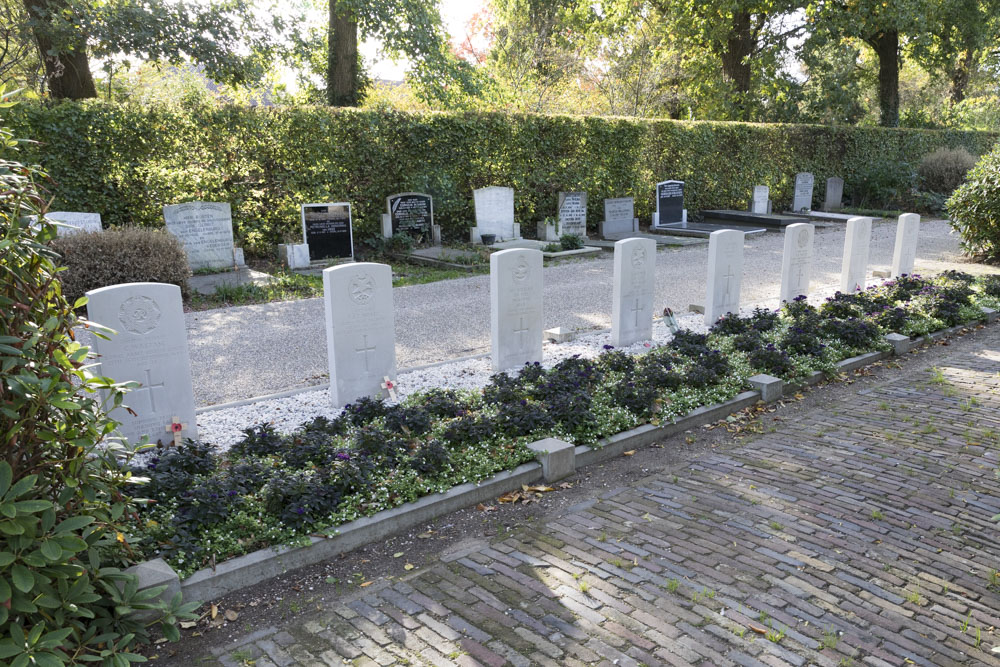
<point x="796" y="261"/>
<point x="360" y="329"/>
<point x="619" y="217"/>
<point x="904" y="254"/>
<point x="632" y="298"/>
<point x="834" y="198"/>
<point x="151" y="348"/>
<point x="75" y="222"/>
<point x="854" y="268"/>
<point x="725" y="274"/>
<point x="205" y="229"/>
<point x="803" y="196"/>
<point x="758" y="204"/>
<point x="572" y="214"/>
<point x="495" y="211"/>
<point x="516" y="307"/>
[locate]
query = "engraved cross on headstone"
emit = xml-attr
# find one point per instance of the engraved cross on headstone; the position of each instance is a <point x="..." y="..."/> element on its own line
<point x="729" y="275"/>
<point x="520" y="332"/>
<point x="365" y="349"/>
<point x="637" y="309"/>
<point x="149" y="387"/>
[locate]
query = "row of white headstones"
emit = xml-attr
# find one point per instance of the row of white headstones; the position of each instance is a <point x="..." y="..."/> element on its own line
<point x="149" y="345"/>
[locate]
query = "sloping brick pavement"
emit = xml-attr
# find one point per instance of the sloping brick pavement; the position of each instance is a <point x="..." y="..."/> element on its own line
<point x="858" y="534"/>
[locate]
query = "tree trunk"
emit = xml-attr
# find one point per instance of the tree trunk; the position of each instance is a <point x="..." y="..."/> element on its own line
<point x="342" y="58"/>
<point x="887" y="49"/>
<point x="68" y="72"/>
<point x="736" y="58"/>
<point x="960" y="75"/>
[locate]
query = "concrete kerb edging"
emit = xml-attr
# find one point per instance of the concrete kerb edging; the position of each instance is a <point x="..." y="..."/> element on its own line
<point x="243" y="571"/>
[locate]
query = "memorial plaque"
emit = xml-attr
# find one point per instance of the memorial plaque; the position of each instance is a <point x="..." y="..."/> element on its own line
<point x="74" y="223"/>
<point x="904" y="253"/>
<point x="573" y="213"/>
<point x="632" y="295"/>
<point x="854" y="267"/>
<point x="834" y="194"/>
<point x="761" y="195"/>
<point x="619" y="216"/>
<point x="495" y="211"/>
<point x="803" y="196"/>
<point x="360" y="329"/>
<point x="669" y="202"/>
<point x="206" y="231"/>
<point x="326" y="228"/>
<point x="515" y="308"/>
<point x="149" y="347"/>
<point x="411" y="213"/>
<point x="796" y="261"/>
<point x="725" y="274"/>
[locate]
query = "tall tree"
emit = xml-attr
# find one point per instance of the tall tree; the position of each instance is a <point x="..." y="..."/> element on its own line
<point x="960" y="33"/>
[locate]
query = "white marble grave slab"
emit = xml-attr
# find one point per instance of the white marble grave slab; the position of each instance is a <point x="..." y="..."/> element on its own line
<point x="632" y="294"/>
<point x="797" y="261"/>
<point x="515" y="308"/>
<point x="725" y="274"/>
<point x="854" y="267"/>
<point x="360" y="329"/>
<point x="495" y="212"/>
<point x="904" y="253"/>
<point x="149" y="347"/>
<point x="205" y="229"/>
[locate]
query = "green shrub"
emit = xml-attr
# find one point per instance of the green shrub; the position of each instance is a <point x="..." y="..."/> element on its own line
<point x="120" y="255"/>
<point x="944" y="170"/>
<point x="974" y="208"/>
<point x="64" y="504"/>
<point x="570" y="242"/>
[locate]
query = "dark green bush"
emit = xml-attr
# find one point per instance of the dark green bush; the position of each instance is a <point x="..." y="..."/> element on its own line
<point x="944" y="170"/>
<point x="65" y="508"/>
<point x="120" y="255"/>
<point x="128" y="161"/>
<point x="974" y="208"/>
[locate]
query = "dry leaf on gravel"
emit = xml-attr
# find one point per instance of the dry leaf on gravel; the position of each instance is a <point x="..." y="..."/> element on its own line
<point x="231" y="615"/>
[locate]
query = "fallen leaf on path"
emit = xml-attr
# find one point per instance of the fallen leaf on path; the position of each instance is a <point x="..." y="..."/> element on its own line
<point x="630" y="452"/>
<point x="366" y="583"/>
<point x="231" y="615"/>
<point x="409" y="566"/>
<point x="215" y="611"/>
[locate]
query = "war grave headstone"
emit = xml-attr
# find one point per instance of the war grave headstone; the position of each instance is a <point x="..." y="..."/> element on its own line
<point x="515" y="307"/>
<point x="854" y="267"/>
<point x="495" y="214"/>
<point x="410" y="213"/>
<point x="572" y="214"/>
<point x="761" y="202"/>
<point x="360" y="329"/>
<point x="206" y="231"/>
<point x="670" y="204"/>
<point x="725" y="274"/>
<point x="904" y="253"/>
<point x="796" y="261"/>
<point x="632" y="296"/>
<point x="149" y="347"/>
<point x="803" y="194"/>
<point x="326" y="229"/>
<point x="619" y="218"/>
<point x="834" y="199"/>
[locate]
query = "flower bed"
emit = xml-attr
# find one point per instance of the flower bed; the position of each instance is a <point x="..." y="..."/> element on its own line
<point x="275" y="488"/>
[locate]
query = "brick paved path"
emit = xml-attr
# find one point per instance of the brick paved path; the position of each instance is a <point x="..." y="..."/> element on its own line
<point x="857" y="534"/>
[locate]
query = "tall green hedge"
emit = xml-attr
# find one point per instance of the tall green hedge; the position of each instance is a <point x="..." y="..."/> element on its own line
<point x="125" y="162"/>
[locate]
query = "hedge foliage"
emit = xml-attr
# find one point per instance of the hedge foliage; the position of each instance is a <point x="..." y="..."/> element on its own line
<point x="974" y="208"/>
<point x="126" y="162"/>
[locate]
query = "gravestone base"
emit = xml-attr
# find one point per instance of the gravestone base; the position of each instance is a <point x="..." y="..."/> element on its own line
<point x="559" y="335"/>
<point x="208" y="283"/>
<point x="696" y="308"/>
<point x="881" y="273"/>
<point x="608" y="231"/>
<point x="475" y="237"/>
<point x="670" y="225"/>
<point x="547" y="232"/>
<point x="294" y="255"/>
<point x="436" y="235"/>
<point x="386" y="226"/>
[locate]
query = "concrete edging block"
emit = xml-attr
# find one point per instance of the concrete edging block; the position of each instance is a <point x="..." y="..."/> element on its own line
<point x="901" y="344"/>
<point x="558" y="458"/>
<point x="769" y="387"/>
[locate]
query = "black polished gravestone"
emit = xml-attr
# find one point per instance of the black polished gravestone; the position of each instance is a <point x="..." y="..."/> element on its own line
<point x="412" y="213"/>
<point x="327" y="230"/>
<point x="670" y="202"/>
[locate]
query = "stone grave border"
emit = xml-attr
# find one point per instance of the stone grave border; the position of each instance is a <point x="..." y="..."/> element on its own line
<point x="557" y="459"/>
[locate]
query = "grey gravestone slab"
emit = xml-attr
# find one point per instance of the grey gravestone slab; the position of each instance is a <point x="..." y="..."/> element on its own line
<point x="834" y="200"/>
<point x="515" y="308"/>
<point x="669" y="202"/>
<point x="211" y="282"/>
<point x="74" y="222"/>
<point x="761" y="196"/>
<point x="725" y="274"/>
<point x="796" y="261"/>
<point x="206" y="230"/>
<point x="326" y="229"/>
<point x="854" y="267"/>
<point x="149" y="347"/>
<point x="360" y="329"/>
<point x="619" y="217"/>
<point x="803" y="195"/>
<point x="495" y="211"/>
<point x="904" y="253"/>
<point x="572" y="213"/>
<point x="411" y="213"/>
<point x="632" y="294"/>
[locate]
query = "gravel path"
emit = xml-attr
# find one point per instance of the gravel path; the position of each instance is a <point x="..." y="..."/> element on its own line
<point x="247" y="351"/>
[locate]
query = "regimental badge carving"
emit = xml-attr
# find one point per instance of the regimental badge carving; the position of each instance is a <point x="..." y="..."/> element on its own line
<point x="522" y="270"/>
<point x="803" y="239"/>
<point x="139" y="314"/>
<point x="362" y="288"/>
<point x="638" y="257"/>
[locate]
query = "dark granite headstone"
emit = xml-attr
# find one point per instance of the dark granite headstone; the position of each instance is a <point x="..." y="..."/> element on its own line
<point x="670" y="202"/>
<point x="412" y="213"/>
<point x="327" y="230"/>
